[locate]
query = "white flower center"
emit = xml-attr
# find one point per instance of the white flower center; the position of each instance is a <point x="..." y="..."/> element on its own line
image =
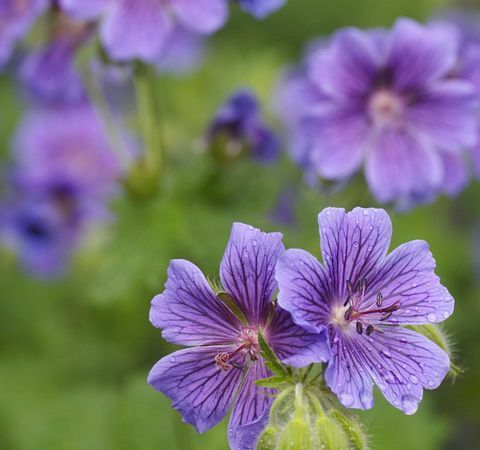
<point x="385" y="108"/>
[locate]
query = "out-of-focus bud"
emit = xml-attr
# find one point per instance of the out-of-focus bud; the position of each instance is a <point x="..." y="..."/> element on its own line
<point x="296" y="436"/>
<point x="436" y="334"/>
<point x="268" y="439"/>
<point x="141" y="182"/>
<point x="330" y="434"/>
<point x="357" y="439"/>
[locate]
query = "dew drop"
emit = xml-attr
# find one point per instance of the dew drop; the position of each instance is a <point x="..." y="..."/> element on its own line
<point x="254" y="242"/>
<point x="432" y="318"/>
<point x="269" y="267"/>
<point x="173" y="358"/>
<point x="386" y="353"/>
<point x="246" y="254"/>
<point x="409" y="404"/>
<point x="329" y="213"/>
<point x="346" y="399"/>
<point x="445" y="314"/>
<point x="413" y="379"/>
<point x="365" y="212"/>
<point x="430" y="383"/>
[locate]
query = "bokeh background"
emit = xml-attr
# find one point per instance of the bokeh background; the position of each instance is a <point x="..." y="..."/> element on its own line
<point x="75" y="351"/>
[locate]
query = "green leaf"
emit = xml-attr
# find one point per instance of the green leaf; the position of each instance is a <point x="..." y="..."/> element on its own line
<point x="271" y="359"/>
<point x="232" y="304"/>
<point x="272" y="382"/>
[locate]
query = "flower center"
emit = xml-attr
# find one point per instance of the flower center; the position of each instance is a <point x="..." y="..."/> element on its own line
<point x="246" y="351"/>
<point x="385" y="108"/>
<point x="366" y="314"/>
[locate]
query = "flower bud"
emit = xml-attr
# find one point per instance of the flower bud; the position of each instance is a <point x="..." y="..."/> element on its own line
<point x="296" y="436"/>
<point x="268" y="439"/>
<point x="352" y="428"/>
<point x="330" y="434"/>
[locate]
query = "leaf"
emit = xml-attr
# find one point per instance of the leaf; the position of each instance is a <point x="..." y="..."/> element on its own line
<point x="271" y="359"/>
<point x="272" y="382"/>
<point x="232" y="304"/>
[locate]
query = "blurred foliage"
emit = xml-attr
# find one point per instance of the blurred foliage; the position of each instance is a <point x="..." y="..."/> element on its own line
<point x="75" y="353"/>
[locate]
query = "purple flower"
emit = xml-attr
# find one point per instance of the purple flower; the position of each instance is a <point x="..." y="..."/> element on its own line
<point x="238" y="125"/>
<point x="223" y="358"/>
<point x="384" y="100"/>
<point x="260" y="8"/>
<point x="363" y="297"/>
<point x="64" y="174"/>
<point x="50" y="73"/>
<point x="139" y="29"/>
<point x="16" y="19"/>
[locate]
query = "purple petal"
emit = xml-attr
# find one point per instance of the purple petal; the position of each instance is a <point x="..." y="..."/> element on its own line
<point x="346" y="374"/>
<point x="402" y="166"/>
<point x="418" y="54"/>
<point x="348" y="67"/>
<point x="455" y="174"/>
<point x="401" y="362"/>
<point x="303" y="289"/>
<point x="294" y="345"/>
<point x="407" y="277"/>
<point x="247" y="269"/>
<point x="85" y="9"/>
<point x="134" y="29"/>
<point x="476" y="155"/>
<point x="260" y="8"/>
<point x="353" y="244"/>
<point x="339" y="140"/>
<point x="189" y="311"/>
<point x="250" y="411"/>
<point x="445" y="113"/>
<point x="198" y="389"/>
<point x="201" y="16"/>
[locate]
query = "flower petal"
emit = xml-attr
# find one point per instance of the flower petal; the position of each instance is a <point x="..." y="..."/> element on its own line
<point x="339" y="140"/>
<point x="348" y="66"/>
<point x="247" y="269"/>
<point x="455" y="173"/>
<point x="445" y="113"/>
<point x="402" y="362"/>
<point x="407" y="277"/>
<point x="352" y="245"/>
<point x="85" y="9"/>
<point x="250" y="411"/>
<point x="189" y="311"/>
<point x="201" y="16"/>
<point x="346" y="374"/>
<point x="134" y="29"/>
<point x="198" y="390"/>
<point x="260" y="8"/>
<point x="403" y="167"/>
<point x="294" y="345"/>
<point x="303" y="289"/>
<point x="418" y="54"/>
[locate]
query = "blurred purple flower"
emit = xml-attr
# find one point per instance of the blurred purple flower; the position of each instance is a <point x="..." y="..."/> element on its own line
<point x="224" y="357"/>
<point x="238" y="125"/>
<point x="50" y="73"/>
<point x="361" y="297"/>
<point x="140" y="29"/>
<point x="284" y="211"/>
<point x="386" y="100"/>
<point x="260" y="8"/>
<point x="16" y="19"/>
<point x="64" y="173"/>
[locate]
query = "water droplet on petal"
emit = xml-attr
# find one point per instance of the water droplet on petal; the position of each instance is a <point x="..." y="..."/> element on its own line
<point x="254" y="242"/>
<point x="386" y="353"/>
<point x="445" y="314"/>
<point x="173" y="358"/>
<point x="409" y="404"/>
<point x="413" y="379"/>
<point x="432" y="318"/>
<point x="346" y="399"/>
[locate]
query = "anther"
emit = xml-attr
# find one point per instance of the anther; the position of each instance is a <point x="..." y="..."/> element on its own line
<point x="347" y="301"/>
<point x="363" y="284"/>
<point x="350" y="287"/>
<point x="348" y="313"/>
<point x="359" y="327"/>
<point x="369" y="330"/>
<point x="386" y="316"/>
<point x="379" y="299"/>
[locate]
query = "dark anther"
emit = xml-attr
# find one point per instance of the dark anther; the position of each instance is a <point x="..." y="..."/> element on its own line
<point x="363" y="284"/>
<point x="369" y="330"/>
<point x="359" y="328"/>
<point x="348" y="314"/>
<point x="350" y="287"/>
<point x="379" y="299"/>
<point x="386" y="316"/>
<point x="347" y="301"/>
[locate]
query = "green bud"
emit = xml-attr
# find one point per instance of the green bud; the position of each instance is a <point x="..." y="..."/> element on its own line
<point x="330" y="434"/>
<point x="296" y="436"/>
<point x="352" y="428"/>
<point x="142" y="182"/>
<point x="268" y="439"/>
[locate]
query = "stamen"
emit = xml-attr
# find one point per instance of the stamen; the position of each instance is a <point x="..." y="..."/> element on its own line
<point x="221" y="360"/>
<point x="350" y="287"/>
<point x="369" y="330"/>
<point x="348" y="314"/>
<point x="362" y="284"/>
<point x="359" y="328"/>
<point x="379" y="299"/>
<point x="386" y="316"/>
<point x="347" y="301"/>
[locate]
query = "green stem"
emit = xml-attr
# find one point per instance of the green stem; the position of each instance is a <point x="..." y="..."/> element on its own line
<point x="153" y="153"/>
<point x="299" y="400"/>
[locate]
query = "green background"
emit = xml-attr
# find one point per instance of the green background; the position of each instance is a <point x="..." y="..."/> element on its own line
<point x="75" y="352"/>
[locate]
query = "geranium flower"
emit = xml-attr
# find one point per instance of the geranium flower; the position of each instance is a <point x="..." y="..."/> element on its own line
<point x="364" y="299"/>
<point x="224" y="358"/>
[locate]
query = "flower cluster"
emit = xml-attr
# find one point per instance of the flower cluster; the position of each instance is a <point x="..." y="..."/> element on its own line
<point x="352" y="311"/>
<point x="400" y="102"/>
<point x="64" y="173"/>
